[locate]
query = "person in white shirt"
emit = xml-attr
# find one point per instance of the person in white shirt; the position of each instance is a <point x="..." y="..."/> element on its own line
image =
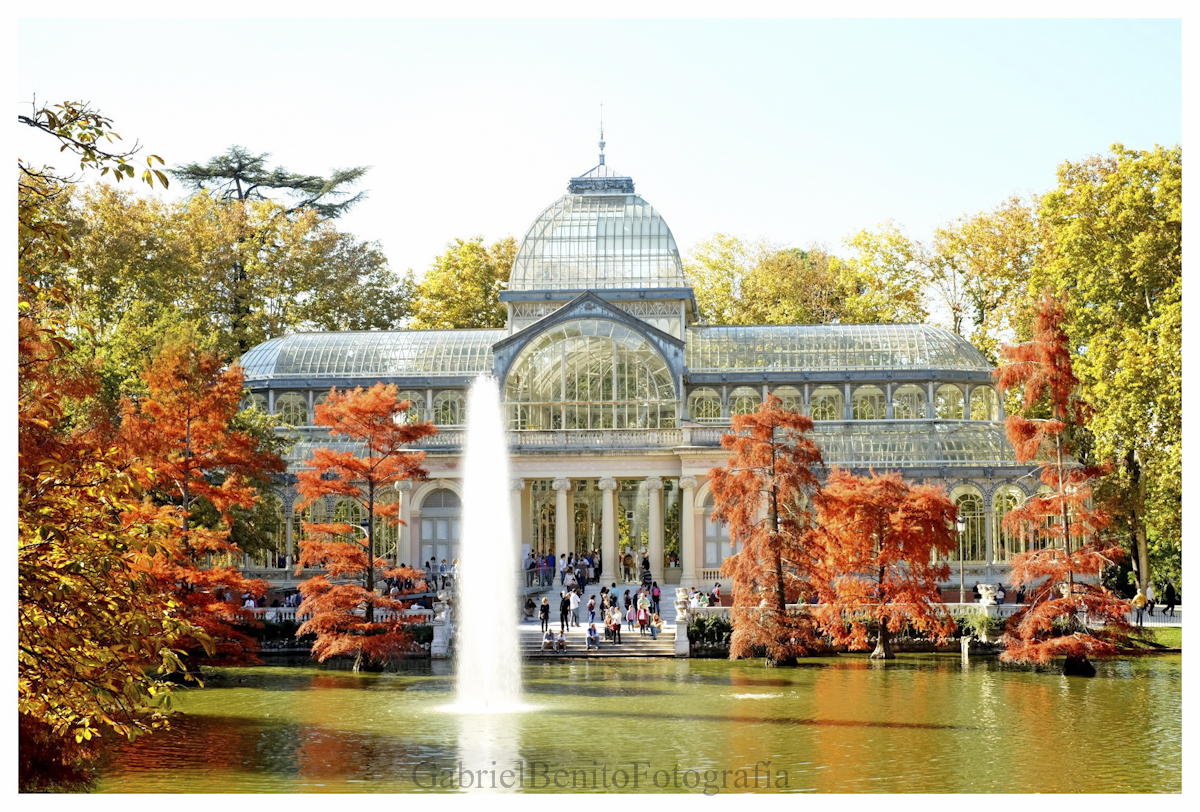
<point x="574" y="608"/>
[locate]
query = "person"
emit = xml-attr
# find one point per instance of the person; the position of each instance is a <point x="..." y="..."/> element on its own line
<point x="560" y="642"/>
<point x="564" y="611"/>
<point x="573" y="598"/>
<point x="545" y="612"/>
<point x="643" y="600"/>
<point x="1139" y="604"/>
<point x="249" y="604"/>
<point x="999" y="593"/>
<point x="656" y="625"/>
<point x="627" y="567"/>
<point x="643" y="618"/>
<point x="548" y="641"/>
<point x="1150" y="599"/>
<point x="715" y="595"/>
<point x="562" y="569"/>
<point x="394" y="592"/>
<point x="655" y="596"/>
<point x="444" y="572"/>
<point x="1021" y="594"/>
<point x="975" y="592"/>
<point x="530" y="566"/>
<point x="591" y="570"/>
<point x="631" y="616"/>
<point x="628" y="600"/>
<point x="694" y="600"/>
<point x="593" y="639"/>
<point x="1170" y="598"/>
<point x="591" y="607"/>
<point x="569" y="579"/>
<point x="529" y="608"/>
<point x="614" y="625"/>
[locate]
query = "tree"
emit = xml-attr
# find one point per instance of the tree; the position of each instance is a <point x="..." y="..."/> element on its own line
<point x="242" y="176"/>
<point x="885" y="541"/>
<point x="1062" y="525"/>
<point x="885" y="278"/>
<point x="189" y="457"/>
<point x="376" y="420"/>
<point x="1114" y="256"/>
<point x="462" y="287"/>
<point x="761" y="493"/>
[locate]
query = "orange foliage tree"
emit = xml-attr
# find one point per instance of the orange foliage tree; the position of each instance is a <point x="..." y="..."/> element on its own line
<point x="885" y="541"/>
<point x="188" y="453"/>
<point x="375" y="420"/>
<point x="762" y="494"/>
<point x="1068" y="612"/>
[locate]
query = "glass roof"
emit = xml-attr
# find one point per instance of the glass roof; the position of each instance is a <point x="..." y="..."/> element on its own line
<point x="382" y="354"/>
<point x="912" y="442"/>
<point x="804" y="347"/>
<point x="598" y="242"/>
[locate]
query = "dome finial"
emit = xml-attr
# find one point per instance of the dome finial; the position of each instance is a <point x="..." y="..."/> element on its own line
<point x="602" y="133"/>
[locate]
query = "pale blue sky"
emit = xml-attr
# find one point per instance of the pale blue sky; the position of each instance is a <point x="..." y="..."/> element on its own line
<point x="801" y="131"/>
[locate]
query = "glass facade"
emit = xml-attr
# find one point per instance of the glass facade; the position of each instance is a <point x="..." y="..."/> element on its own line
<point x="590" y="374"/>
<point x="380" y="355"/>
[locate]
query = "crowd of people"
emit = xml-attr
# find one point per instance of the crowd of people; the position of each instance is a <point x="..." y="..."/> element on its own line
<point x="1144" y="602"/>
<point x="572" y="570"/>
<point x="609" y="609"/>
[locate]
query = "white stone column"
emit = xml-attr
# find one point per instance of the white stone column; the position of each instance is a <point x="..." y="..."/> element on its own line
<point x="517" y="488"/>
<point x="687" y="530"/>
<point x="561" y="525"/>
<point x="407" y="548"/>
<point x="608" y="529"/>
<point x="571" y="521"/>
<point x="654" y="487"/>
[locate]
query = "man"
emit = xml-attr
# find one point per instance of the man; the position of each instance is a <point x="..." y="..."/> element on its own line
<point x="530" y="564"/>
<point x="1170" y="598"/>
<point x="562" y="569"/>
<point x="443" y="571"/>
<point x="573" y="598"/>
<point x="1150" y="599"/>
<point x="560" y="642"/>
<point x="593" y="639"/>
<point x="564" y="610"/>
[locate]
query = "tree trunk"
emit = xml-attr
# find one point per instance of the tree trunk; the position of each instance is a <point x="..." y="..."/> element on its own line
<point x="358" y="661"/>
<point x="883" y="648"/>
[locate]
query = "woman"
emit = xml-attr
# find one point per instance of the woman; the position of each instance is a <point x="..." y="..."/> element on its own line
<point x="545" y="610"/>
<point x="656" y="625"/>
<point x="655" y="596"/>
<point x="631" y="616"/>
<point x="643" y="618"/>
<point x="614" y="625"/>
<point x="591" y="609"/>
<point x="628" y="600"/>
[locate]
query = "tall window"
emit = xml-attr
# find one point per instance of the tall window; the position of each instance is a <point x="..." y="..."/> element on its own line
<point x="704" y="405"/>
<point x="744" y="400"/>
<point x="716" y="538"/>
<point x="1004" y="543"/>
<point x="590" y="374"/>
<point x="973" y="542"/>
<point x="448" y="408"/>
<point x="441" y="521"/>
<point x="908" y="402"/>
<point x="256" y="401"/>
<point x="869" y="403"/>
<point x="826" y="403"/>
<point x="948" y="402"/>
<point x="791" y="398"/>
<point x="292" y="408"/>
<point x="984" y="405"/>
<point x="415" y="412"/>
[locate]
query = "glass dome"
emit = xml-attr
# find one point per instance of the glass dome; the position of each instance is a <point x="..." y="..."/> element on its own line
<point x="836" y="347"/>
<point x="381" y="354"/>
<point x="590" y="374"/>
<point x="598" y="241"/>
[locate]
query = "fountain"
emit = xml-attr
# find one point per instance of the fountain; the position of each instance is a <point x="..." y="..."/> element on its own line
<point x="488" y="662"/>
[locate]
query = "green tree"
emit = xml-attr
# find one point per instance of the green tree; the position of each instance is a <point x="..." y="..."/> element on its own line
<point x="462" y="287"/>
<point x="1114" y="252"/>
<point x="885" y="277"/>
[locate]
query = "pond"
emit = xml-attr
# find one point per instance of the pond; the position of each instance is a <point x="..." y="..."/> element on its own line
<point x="921" y="723"/>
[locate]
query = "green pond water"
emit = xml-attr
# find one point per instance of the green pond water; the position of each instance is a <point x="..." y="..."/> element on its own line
<point x="922" y="723"/>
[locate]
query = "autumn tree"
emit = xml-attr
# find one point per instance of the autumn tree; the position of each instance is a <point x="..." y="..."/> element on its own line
<point x="190" y="457"/>
<point x="1114" y="256"/>
<point x="92" y="628"/>
<point x="462" y="287"/>
<point x="1066" y="613"/>
<point x="375" y="421"/>
<point x="762" y="493"/>
<point x="885" y="542"/>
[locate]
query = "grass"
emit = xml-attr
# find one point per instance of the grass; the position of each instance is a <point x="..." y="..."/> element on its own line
<point x="1167" y="636"/>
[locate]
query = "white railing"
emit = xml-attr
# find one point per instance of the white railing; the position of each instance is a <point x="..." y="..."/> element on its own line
<point x="710" y="574"/>
<point x="1004" y="610"/>
<point x="284" y="614"/>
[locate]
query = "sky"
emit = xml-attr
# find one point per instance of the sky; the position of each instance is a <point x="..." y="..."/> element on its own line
<point x="802" y="132"/>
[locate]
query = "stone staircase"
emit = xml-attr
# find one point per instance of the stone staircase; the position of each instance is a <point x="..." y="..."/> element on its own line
<point x="633" y="643"/>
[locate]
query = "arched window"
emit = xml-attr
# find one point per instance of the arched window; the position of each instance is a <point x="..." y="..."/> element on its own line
<point x="313" y="514"/>
<point x="255" y="400"/>
<point x="590" y="374"/>
<point x="716" y="538"/>
<point x="826" y="403"/>
<point x="984" y="405"/>
<point x="416" y="408"/>
<point x="441" y="521"/>
<point x="744" y="400"/>
<point x="448" y="409"/>
<point x="948" y="402"/>
<point x="1004" y="543"/>
<point x="387" y="532"/>
<point x="351" y="512"/>
<point x="869" y="403"/>
<point x="908" y="402"/>
<point x="292" y="408"/>
<point x="793" y="401"/>
<point x="973" y="543"/>
<point x="704" y="405"/>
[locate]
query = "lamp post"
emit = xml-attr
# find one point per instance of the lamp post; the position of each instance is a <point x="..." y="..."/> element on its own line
<point x="961" y="524"/>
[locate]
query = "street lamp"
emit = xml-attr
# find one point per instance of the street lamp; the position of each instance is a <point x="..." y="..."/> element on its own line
<point x="961" y="524"/>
